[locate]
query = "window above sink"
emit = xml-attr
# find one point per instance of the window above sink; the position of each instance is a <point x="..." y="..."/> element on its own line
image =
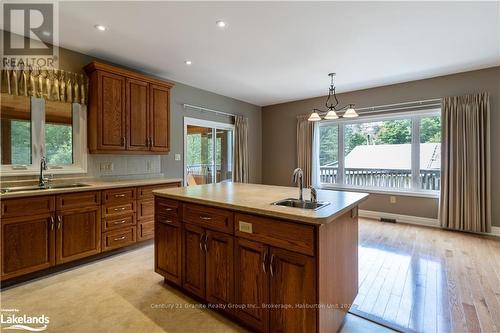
<point x="33" y="127"/>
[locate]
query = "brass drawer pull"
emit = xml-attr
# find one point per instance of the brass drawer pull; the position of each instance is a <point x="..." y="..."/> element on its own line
<point x="205" y="218"/>
<point x="119" y="222"/>
<point x="119" y="209"/>
<point x="120" y="195"/>
<point x="168" y="221"/>
<point x="120" y="238"/>
<point x="168" y="209"/>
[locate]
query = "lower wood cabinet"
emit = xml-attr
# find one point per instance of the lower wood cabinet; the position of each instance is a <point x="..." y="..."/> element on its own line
<point x="78" y="234"/>
<point x="193" y="260"/>
<point x="168" y="238"/>
<point x="218" y="249"/>
<point x="28" y="244"/>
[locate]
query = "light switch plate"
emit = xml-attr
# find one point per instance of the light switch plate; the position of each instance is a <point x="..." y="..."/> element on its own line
<point x="177" y="157"/>
<point x="106" y="166"/>
<point x="392" y="199"/>
<point x="245" y="227"/>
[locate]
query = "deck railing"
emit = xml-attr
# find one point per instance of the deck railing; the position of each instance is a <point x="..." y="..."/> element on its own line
<point x="429" y="179"/>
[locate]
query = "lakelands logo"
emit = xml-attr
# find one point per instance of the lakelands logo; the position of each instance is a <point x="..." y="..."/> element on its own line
<point x="29" y="33"/>
<point x="16" y="321"/>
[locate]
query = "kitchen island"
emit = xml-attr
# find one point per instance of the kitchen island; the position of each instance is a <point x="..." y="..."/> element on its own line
<point x="269" y="267"/>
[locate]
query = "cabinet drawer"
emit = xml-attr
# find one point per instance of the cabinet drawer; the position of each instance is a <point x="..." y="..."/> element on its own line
<point x="27" y="206"/>
<point x="168" y="207"/>
<point x="208" y="217"/>
<point x="146" y="192"/>
<point x="167" y="220"/>
<point x="145" y="209"/>
<point x="110" y="210"/>
<point x="77" y="200"/>
<point x="118" y="195"/>
<point x="287" y="235"/>
<point x="145" y="230"/>
<point x="118" y="238"/>
<point x="118" y="222"/>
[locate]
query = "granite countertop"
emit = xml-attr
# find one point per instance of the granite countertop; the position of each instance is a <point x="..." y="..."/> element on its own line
<point x="258" y="199"/>
<point x="94" y="184"/>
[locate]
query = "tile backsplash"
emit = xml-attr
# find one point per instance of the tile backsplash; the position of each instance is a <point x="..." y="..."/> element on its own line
<point x="120" y="166"/>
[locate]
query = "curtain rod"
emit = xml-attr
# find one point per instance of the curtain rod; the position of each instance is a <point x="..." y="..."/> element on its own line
<point x="209" y="110"/>
<point x="401" y="106"/>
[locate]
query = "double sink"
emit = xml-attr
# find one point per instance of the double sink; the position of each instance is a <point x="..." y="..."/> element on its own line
<point x="39" y="188"/>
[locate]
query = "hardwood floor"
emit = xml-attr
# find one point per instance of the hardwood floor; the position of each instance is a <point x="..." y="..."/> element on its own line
<point x="428" y="280"/>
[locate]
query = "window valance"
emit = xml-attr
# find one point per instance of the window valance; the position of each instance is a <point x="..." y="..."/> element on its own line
<point x="50" y="84"/>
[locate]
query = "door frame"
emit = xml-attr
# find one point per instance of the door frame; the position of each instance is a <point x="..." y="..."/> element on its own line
<point x="214" y="125"/>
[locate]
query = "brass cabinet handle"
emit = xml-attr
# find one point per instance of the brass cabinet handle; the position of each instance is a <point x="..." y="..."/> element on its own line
<point x="271" y="264"/>
<point x="264" y="263"/>
<point x="201" y="240"/>
<point x="168" y="209"/>
<point x="59" y="221"/>
<point x="119" y="209"/>
<point x="205" y="218"/>
<point x="119" y="222"/>
<point x="120" y="195"/>
<point x="52" y="222"/>
<point x="123" y="141"/>
<point x="120" y="238"/>
<point x="205" y="244"/>
<point x="168" y="221"/>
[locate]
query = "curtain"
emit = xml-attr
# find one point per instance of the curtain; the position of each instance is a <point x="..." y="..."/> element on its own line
<point x="49" y="84"/>
<point x="241" y="166"/>
<point x="465" y="187"/>
<point x="305" y="137"/>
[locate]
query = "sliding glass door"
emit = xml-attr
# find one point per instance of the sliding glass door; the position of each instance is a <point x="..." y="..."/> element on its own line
<point x="208" y="152"/>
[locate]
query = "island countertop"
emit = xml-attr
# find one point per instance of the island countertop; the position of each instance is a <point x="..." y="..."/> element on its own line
<point x="258" y="199"/>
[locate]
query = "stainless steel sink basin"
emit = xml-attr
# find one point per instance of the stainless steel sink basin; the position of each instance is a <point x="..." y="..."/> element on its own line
<point x="304" y="204"/>
<point x="38" y="188"/>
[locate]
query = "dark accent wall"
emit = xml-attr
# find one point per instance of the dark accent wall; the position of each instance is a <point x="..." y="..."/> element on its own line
<point x="279" y="132"/>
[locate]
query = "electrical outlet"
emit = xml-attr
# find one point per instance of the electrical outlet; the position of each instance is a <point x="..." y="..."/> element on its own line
<point x="177" y="157"/>
<point x="392" y="199"/>
<point x="106" y="166"/>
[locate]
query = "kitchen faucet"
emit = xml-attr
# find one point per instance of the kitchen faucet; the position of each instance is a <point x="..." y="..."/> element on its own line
<point x="43" y="166"/>
<point x="298" y="176"/>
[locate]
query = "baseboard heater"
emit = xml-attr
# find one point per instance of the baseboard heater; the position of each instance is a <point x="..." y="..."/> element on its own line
<point x="385" y="219"/>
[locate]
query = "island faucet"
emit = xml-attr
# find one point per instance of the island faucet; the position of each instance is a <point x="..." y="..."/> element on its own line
<point x="43" y="166"/>
<point x="298" y="176"/>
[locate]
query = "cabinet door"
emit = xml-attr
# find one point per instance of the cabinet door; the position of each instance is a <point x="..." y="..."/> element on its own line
<point x="27" y="244"/>
<point x="293" y="282"/>
<point x="251" y="278"/>
<point x="137" y="115"/>
<point x="219" y="265"/>
<point x="159" y="124"/>
<point x="168" y="247"/>
<point x="111" y="122"/>
<point x="193" y="270"/>
<point x="78" y="234"/>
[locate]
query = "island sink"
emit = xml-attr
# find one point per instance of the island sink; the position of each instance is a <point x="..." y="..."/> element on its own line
<point x="304" y="204"/>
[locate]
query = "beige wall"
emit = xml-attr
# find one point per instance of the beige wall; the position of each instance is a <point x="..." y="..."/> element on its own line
<point x="279" y="136"/>
<point x="74" y="61"/>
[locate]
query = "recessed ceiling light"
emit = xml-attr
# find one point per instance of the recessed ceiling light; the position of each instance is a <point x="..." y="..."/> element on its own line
<point x="188" y="62"/>
<point x="100" y="27"/>
<point x="221" y="24"/>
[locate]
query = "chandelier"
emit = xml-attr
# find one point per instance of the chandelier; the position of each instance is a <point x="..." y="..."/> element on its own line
<point x="332" y="105"/>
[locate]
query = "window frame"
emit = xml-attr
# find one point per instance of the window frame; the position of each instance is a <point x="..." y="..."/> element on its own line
<point x="415" y="119"/>
<point x="79" y="126"/>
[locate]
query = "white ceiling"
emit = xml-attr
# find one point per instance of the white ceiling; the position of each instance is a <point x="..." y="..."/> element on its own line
<point x="273" y="52"/>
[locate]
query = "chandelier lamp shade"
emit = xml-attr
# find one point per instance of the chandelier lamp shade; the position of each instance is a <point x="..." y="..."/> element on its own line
<point x="332" y="106"/>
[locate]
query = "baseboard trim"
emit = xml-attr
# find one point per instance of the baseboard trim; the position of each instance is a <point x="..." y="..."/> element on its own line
<point x="495" y="231"/>
<point x="400" y="218"/>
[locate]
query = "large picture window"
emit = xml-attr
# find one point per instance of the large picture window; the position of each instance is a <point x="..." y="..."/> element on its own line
<point x="400" y="152"/>
<point x="32" y="128"/>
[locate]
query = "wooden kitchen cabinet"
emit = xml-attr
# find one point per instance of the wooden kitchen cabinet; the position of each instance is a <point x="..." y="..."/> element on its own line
<point x="218" y="249"/>
<point x="292" y="281"/>
<point x="78" y="233"/>
<point x="193" y="260"/>
<point x="129" y="113"/>
<point x="168" y="256"/>
<point x="28" y="244"/>
<point x="251" y="283"/>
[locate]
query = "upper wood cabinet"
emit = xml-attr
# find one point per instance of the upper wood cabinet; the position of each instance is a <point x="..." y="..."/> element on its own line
<point x="128" y="112"/>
